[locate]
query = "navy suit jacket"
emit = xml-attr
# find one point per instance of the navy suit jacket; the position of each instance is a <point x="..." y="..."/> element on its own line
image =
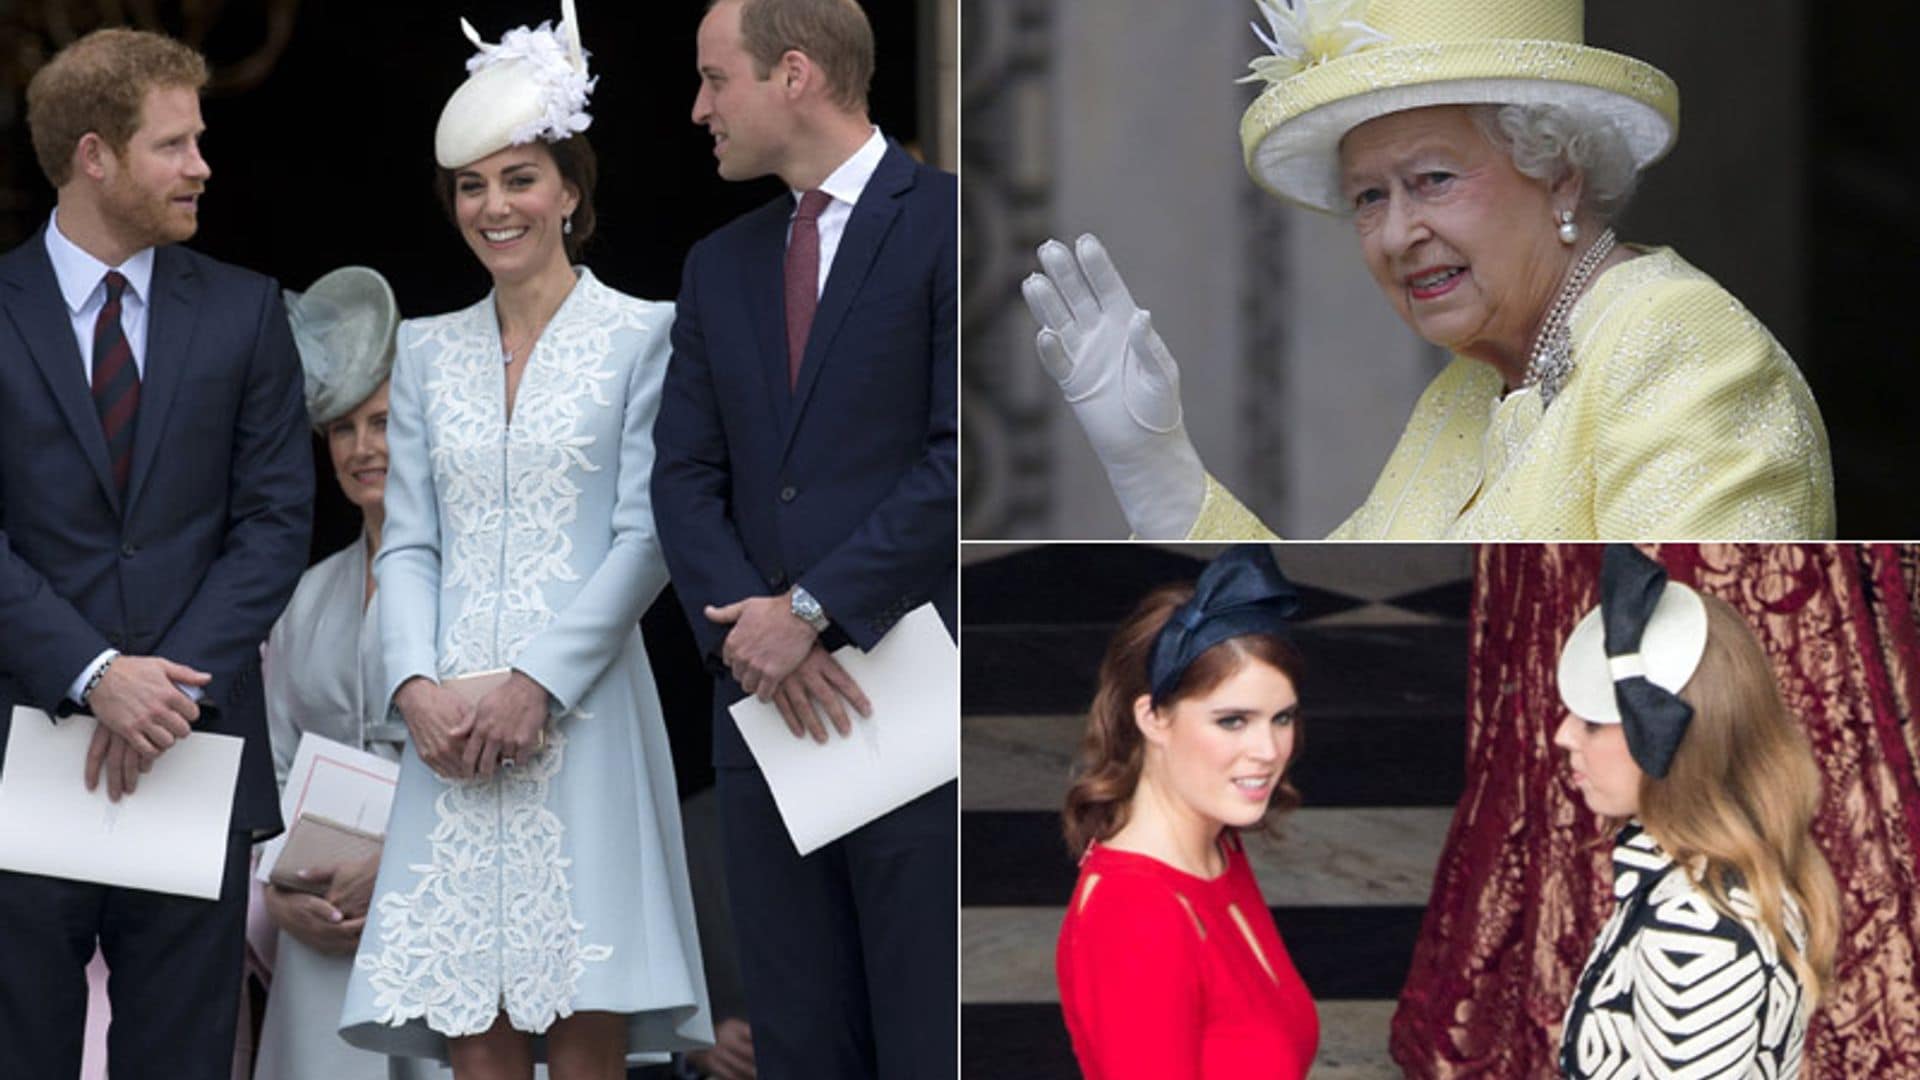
<point x="202" y="554"/>
<point x="846" y="484"/>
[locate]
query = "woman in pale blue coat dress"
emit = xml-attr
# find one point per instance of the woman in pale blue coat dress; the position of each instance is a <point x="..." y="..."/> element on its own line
<point x="532" y="901"/>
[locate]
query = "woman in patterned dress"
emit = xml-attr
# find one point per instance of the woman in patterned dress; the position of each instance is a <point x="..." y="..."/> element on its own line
<point x="1726" y="917"/>
<point x="532" y="902"/>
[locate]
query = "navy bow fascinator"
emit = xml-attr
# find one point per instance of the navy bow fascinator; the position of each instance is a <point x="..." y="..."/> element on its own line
<point x="1241" y="592"/>
<point x="1631" y="586"/>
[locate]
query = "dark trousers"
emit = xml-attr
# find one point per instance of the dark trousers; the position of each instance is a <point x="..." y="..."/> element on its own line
<point x="849" y="955"/>
<point x="174" y="966"/>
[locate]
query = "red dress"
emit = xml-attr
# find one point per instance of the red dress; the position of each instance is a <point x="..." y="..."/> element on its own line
<point x="1158" y="978"/>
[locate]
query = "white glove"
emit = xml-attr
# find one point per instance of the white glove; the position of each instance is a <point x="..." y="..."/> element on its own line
<point x="1122" y="383"/>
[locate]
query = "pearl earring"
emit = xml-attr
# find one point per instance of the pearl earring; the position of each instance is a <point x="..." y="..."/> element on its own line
<point x="1568" y="231"/>
<point x="566" y="226"/>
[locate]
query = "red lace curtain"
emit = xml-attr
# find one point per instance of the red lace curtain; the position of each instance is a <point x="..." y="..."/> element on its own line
<point x="1522" y="886"/>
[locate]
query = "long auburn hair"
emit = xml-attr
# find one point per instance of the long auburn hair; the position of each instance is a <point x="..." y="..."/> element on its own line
<point x="1738" y="802"/>
<point x="1113" y="751"/>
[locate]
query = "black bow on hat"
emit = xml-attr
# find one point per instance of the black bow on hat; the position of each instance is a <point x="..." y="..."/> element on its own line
<point x="1654" y="717"/>
<point x="1241" y="592"/>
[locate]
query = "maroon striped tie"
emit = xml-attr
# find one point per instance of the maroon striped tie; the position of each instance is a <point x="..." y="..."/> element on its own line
<point x="116" y="381"/>
<point x="803" y="278"/>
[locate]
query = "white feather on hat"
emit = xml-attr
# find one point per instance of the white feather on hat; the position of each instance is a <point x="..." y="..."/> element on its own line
<point x="532" y="85"/>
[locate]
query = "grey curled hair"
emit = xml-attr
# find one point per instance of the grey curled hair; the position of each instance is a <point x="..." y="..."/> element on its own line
<point x="1548" y="141"/>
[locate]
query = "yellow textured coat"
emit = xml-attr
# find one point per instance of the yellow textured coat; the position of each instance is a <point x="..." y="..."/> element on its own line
<point x="1683" y="418"/>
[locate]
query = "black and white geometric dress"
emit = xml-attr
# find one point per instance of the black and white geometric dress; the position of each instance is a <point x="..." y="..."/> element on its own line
<point x="1676" y="989"/>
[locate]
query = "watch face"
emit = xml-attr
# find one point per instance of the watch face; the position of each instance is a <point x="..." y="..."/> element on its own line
<point x="807" y="608"/>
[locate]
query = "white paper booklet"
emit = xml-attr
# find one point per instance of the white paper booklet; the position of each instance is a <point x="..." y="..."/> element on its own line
<point x="169" y="835"/>
<point x="335" y="781"/>
<point x="908" y="747"/>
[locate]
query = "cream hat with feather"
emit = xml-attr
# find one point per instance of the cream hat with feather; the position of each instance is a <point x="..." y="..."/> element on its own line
<point x="532" y="85"/>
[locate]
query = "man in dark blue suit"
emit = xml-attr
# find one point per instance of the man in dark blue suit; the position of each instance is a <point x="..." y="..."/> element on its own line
<point x="155" y="503"/>
<point x="805" y="495"/>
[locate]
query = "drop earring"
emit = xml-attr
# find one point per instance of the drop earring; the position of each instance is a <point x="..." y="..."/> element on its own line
<point x="1568" y="231"/>
<point x="566" y="226"/>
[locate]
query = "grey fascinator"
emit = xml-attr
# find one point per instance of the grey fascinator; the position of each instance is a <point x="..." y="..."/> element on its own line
<point x="344" y="327"/>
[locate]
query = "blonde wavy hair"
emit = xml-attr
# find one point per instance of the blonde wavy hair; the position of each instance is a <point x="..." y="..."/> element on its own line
<point x="1738" y="802"/>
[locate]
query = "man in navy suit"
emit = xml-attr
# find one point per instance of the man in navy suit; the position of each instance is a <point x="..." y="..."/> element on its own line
<point x="805" y="495"/>
<point x="155" y="503"/>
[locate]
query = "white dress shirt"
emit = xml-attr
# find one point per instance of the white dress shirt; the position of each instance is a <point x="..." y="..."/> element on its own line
<point x="83" y="285"/>
<point x="844" y="185"/>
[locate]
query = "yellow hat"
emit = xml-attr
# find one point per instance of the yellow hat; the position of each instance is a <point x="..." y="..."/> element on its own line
<point x="1336" y="64"/>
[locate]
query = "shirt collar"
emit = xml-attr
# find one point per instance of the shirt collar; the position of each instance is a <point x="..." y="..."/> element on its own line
<point x="80" y="274"/>
<point x="850" y="179"/>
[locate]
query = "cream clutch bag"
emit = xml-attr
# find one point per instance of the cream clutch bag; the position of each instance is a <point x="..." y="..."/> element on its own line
<point x="472" y="688"/>
<point x="316" y="842"/>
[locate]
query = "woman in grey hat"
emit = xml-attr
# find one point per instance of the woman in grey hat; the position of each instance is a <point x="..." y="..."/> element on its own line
<point x="322" y="670"/>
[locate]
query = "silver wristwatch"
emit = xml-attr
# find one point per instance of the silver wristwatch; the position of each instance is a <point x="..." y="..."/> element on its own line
<point x="808" y="610"/>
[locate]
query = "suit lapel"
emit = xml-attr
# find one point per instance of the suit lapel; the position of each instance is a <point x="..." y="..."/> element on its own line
<point x="867" y="228"/>
<point x="763" y="276"/>
<point x="40" y="313"/>
<point x="176" y="291"/>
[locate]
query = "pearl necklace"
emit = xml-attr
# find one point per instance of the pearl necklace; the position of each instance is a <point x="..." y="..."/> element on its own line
<point x="1551" y="361"/>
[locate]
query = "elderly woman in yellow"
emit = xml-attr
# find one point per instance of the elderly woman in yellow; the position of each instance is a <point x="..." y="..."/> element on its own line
<point x="1481" y="151"/>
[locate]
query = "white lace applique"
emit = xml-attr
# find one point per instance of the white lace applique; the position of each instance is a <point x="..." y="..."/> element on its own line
<point x="475" y="459"/>
<point x="489" y="925"/>
<point x="462" y="401"/>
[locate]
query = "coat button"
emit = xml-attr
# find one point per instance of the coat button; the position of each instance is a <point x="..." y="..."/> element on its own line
<point x="787" y="493"/>
<point x="128" y="551"/>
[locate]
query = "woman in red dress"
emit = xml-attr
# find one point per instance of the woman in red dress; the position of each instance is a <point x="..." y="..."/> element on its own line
<point x="1169" y="963"/>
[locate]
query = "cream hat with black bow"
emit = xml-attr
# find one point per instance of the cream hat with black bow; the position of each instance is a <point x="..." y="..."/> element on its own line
<point x="1333" y="65"/>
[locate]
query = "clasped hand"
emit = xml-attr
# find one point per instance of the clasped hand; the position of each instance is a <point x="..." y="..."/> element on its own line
<point x="142" y="711"/>
<point x="777" y="657"/>
<point x="508" y="726"/>
<point x="438" y="723"/>
<point x="1121" y="382"/>
<point x="765" y="641"/>
<point x="463" y="742"/>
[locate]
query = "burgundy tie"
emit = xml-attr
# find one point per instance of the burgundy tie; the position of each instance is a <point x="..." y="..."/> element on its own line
<point x="803" y="278"/>
<point x="116" y="382"/>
